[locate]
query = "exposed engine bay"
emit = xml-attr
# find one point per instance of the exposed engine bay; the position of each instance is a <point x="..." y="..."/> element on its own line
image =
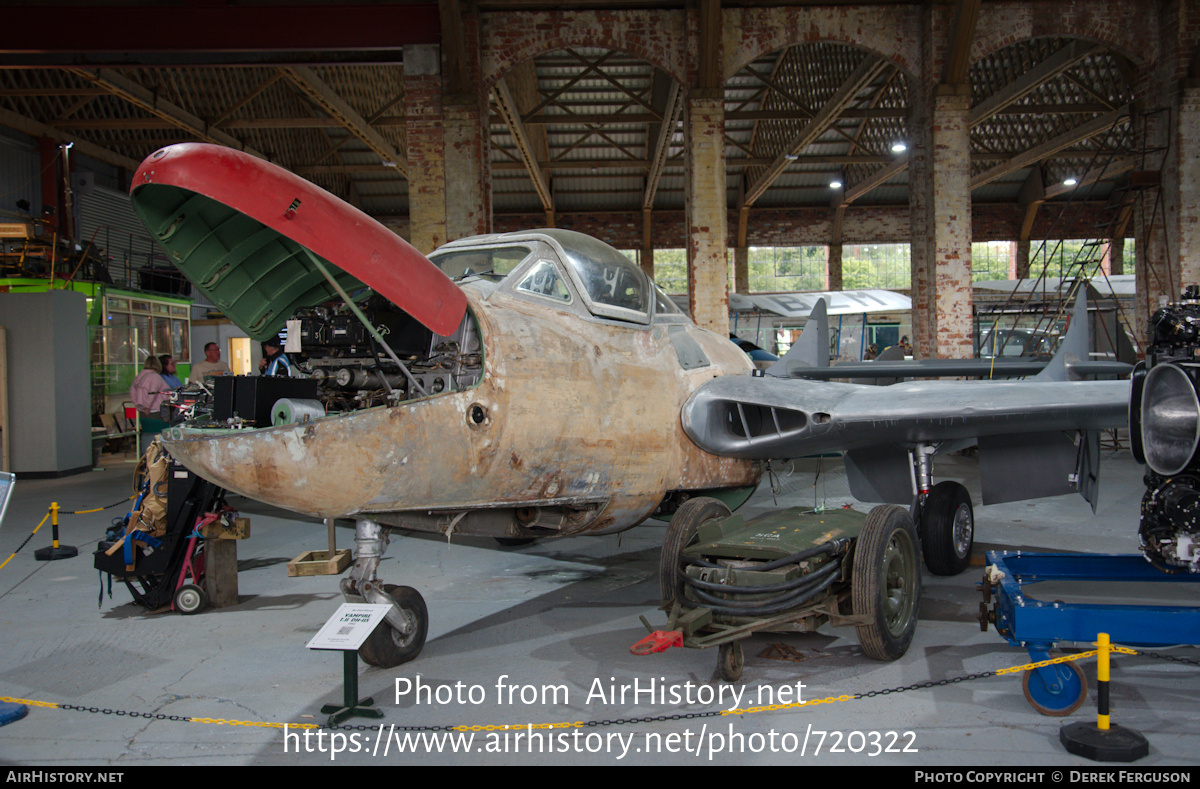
<point x="353" y="371"/>
<point x="1165" y="430"/>
<point x="342" y="367"/>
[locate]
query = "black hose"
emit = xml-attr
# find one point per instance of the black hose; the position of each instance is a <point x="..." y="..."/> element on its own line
<point x="810" y="580"/>
<point x="833" y="547"/>
<point x="785" y="586"/>
<point x="772" y="608"/>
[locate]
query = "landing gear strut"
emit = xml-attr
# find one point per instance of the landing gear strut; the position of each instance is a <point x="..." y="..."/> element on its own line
<point x="401" y="636"/>
<point x="944" y="515"/>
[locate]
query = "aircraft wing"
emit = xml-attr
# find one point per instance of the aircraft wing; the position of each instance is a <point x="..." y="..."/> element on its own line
<point x="938" y="368"/>
<point x="763" y="417"/>
<point x="1036" y="438"/>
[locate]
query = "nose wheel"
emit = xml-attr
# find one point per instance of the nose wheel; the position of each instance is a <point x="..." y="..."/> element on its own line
<point x="401" y="636"/>
<point x="389" y="645"/>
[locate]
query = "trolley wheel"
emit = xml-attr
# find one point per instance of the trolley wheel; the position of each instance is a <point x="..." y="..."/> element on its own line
<point x="190" y="599"/>
<point x="947" y="528"/>
<point x="885" y="582"/>
<point x="387" y="647"/>
<point x="730" y="661"/>
<point x="1068" y="699"/>
<point x="681" y="532"/>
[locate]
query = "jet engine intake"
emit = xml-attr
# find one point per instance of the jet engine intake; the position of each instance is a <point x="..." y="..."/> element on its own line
<point x="1165" y="423"/>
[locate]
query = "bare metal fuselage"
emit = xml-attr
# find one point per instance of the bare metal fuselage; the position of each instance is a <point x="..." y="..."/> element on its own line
<point x="574" y="427"/>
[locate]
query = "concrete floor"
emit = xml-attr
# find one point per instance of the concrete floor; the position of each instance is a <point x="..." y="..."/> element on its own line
<point x="558" y="613"/>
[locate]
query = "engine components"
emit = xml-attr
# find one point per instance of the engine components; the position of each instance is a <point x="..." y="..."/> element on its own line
<point x="1165" y="428"/>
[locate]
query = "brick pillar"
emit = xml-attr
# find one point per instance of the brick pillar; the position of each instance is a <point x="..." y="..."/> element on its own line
<point x="833" y="268"/>
<point x="951" y="215"/>
<point x="1022" y="263"/>
<point x="1116" y="256"/>
<point x="1156" y="281"/>
<point x="1187" y="152"/>
<point x="468" y="190"/>
<point x="920" y="190"/>
<point x="707" y="221"/>
<point x="424" y="124"/>
<point x="467" y="139"/>
<point x="741" y="269"/>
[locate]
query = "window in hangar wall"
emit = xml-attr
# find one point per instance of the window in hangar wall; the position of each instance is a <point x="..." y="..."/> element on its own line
<point x="884" y="266"/>
<point x="992" y="260"/>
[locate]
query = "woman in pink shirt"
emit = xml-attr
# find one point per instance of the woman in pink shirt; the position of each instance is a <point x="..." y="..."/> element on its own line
<point x="148" y="392"/>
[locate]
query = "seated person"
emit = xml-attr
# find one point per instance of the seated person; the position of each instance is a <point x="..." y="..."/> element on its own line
<point x="212" y="364"/>
<point x="168" y="371"/>
<point x="148" y="392"/>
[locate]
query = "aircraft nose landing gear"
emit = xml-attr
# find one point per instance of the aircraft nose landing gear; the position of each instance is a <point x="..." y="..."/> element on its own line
<point x="401" y="636"/>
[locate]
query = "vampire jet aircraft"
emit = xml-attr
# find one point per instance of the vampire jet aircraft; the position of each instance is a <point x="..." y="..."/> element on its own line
<point x="516" y="385"/>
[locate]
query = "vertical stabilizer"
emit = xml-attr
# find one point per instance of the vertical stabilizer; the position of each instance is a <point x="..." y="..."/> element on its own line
<point x="812" y="349"/>
<point x="1075" y="347"/>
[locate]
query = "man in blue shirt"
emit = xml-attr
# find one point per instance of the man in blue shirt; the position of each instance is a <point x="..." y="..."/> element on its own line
<point x="274" y="361"/>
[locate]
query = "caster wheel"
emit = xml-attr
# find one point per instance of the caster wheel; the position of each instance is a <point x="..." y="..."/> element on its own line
<point x="190" y="599"/>
<point x="1070" y="696"/>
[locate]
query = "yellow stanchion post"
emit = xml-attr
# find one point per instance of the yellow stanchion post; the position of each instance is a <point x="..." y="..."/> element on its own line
<point x="1104" y="741"/>
<point x="55" y="551"/>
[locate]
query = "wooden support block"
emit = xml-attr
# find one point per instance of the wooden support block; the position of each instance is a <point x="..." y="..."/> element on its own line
<point x="319" y="563"/>
<point x="220" y="530"/>
<point x="221" y="582"/>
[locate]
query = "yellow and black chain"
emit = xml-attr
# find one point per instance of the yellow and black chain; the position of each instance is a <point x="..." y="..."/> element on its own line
<point x="61" y="512"/>
<point x="619" y="721"/>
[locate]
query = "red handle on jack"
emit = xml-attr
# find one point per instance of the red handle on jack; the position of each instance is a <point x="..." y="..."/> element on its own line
<point x="658" y="641"/>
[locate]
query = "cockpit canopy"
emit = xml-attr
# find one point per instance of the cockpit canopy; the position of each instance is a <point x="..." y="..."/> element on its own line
<point x="609" y="284"/>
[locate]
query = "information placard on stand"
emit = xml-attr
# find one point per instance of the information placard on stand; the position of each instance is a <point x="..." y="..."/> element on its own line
<point x="346" y="631"/>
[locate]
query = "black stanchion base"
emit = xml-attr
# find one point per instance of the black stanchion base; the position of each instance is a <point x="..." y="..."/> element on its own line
<point x="1114" y="744"/>
<point x="363" y="709"/>
<point x="51" y="553"/>
<point x="352" y="706"/>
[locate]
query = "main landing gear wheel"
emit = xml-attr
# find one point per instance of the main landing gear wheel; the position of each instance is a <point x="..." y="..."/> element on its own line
<point x="1070" y="696"/>
<point x="730" y="661"/>
<point x="386" y="646"/>
<point x="947" y="528"/>
<point x="885" y="583"/>
<point x="190" y="599"/>
<point x="681" y="532"/>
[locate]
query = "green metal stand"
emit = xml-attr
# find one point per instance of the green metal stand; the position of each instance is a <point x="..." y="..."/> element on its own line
<point x="352" y="706"/>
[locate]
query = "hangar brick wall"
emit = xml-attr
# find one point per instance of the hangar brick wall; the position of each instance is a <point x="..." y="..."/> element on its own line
<point x="1128" y="26"/>
<point x="656" y="36"/>
<point x="891" y="31"/>
<point x="810" y="226"/>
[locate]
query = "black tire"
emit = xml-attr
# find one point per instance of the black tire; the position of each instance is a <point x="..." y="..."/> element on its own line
<point x="730" y="661"/>
<point x="514" y="542"/>
<point x="947" y="529"/>
<point x="190" y="599"/>
<point x="387" y="647"/>
<point x="886" y="582"/>
<point x="681" y="531"/>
